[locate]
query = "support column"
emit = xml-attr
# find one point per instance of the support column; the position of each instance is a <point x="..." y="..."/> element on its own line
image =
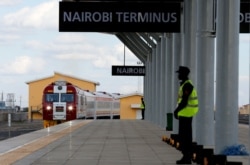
<point x="227" y="55"/>
<point x="156" y="106"/>
<point x="177" y="44"/>
<point x="148" y="88"/>
<point x="169" y="74"/>
<point x="205" y="72"/>
<point x="154" y="94"/>
<point x="163" y="105"/>
<point x="189" y="57"/>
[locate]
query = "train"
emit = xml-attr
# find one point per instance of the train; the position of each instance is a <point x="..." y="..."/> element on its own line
<point x="62" y="101"/>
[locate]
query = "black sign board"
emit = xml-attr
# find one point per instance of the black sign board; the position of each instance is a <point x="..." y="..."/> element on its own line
<point x="128" y="70"/>
<point x="245" y="17"/>
<point x="119" y="16"/>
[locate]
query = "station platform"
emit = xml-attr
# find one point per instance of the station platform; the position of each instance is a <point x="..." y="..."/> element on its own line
<point x="97" y="142"/>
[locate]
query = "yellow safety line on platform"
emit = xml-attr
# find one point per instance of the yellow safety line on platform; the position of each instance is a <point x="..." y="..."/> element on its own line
<point x="19" y="153"/>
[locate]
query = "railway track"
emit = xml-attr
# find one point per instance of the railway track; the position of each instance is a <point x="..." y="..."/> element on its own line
<point x="19" y="128"/>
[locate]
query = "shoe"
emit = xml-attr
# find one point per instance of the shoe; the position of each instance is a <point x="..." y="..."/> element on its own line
<point x="183" y="161"/>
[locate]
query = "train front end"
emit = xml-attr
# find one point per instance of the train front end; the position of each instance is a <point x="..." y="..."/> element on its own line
<point x="59" y="103"/>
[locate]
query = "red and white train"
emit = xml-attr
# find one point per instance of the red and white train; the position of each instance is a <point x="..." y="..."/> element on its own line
<point x="63" y="101"/>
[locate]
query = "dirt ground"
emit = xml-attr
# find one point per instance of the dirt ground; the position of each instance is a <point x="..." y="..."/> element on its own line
<point x="18" y="128"/>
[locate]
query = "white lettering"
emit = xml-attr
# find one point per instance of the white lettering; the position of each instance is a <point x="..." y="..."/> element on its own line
<point x="119" y="14"/>
<point x="67" y="16"/>
<point x="157" y="17"/>
<point x="87" y="17"/>
<point x="76" y="17"/>
<point x="142" y="17"/>
<point x="107" y="17"/>
<point x="97" y="17"/>
<point x="130" y="71"/>
<point x="133" y="17"/>
<point x="245" y="17"/>
<point x="147" y="17"/>
<point x="128" y="17"/>
<point x="173" y="16"/>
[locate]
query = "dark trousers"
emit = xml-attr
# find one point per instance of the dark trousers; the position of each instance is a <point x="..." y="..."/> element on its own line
<point x="185" y="136"/>
<point x="142" y="113"/>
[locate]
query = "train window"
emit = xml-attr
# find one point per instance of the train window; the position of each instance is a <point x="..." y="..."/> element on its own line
<point x="82" y="100"/>
<point x="67" y="97"/>
<point x="52" y="97"/>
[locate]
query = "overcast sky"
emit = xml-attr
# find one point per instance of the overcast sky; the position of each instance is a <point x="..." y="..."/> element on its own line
<point x="31" y="48"/>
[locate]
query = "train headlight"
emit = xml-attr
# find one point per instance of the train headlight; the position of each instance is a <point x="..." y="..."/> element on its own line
<point x="70" y="107"/>
<point x="48" y="107"/>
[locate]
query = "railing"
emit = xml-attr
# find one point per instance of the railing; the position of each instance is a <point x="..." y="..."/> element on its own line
<point x="8" y="110"/>
<point x="244" y="119"/>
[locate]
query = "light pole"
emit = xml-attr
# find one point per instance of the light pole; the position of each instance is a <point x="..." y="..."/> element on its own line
<point x="139" y="79"/>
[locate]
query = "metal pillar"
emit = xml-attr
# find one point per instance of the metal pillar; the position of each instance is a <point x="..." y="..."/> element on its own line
<point x="163" y="97"/>
<point x="157" y="82"/>
<point x="177" y="44"/>
<point x="149" y="111"/>
<point x="153" y="80"/>
<point x="156" y="106"/>
<point x="227" y="55"/>
<point x="169" y="73"/>
<point x="205" y="72"/>
<point x="149" y="91"/>
<point x="172" y="77"/>
<point x="190" y="36"/>
<point x="189" y="45"/>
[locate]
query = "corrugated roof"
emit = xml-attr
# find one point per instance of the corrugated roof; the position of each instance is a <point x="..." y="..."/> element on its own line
<point x="66" y="75"/>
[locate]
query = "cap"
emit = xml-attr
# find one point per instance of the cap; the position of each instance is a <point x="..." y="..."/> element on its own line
<point x="183" y="70"/>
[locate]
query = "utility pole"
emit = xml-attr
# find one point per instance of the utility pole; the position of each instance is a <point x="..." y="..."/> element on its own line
<point x="20" y="101"/>
<point x="139" y="78"/>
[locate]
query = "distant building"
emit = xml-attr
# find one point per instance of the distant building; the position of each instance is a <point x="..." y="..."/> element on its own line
<point x="2" y="105"/>
<point x="130" y="106"/>
<point x="244" y="109"/>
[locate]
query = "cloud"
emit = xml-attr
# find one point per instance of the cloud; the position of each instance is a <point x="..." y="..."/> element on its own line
<point x="73" y="56"/>
<point x="244" y="38"/>
<point x="126" y="89"/>
<point x="74" y="47"/>
<point x="22" y="65"/>
<point x="9" y="3"/>
<point x="44" y="16"/>
<point x="6" y="38"/>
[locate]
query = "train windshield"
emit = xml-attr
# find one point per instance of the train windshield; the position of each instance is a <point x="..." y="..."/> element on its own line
<point x="67" y="97"/>
<point x="53" y="97"/>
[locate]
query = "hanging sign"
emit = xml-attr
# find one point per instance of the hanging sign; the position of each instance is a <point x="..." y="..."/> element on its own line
<point x="245" y="17"/>
<point x="128" y="70"/>
<point x="119" y="16"/>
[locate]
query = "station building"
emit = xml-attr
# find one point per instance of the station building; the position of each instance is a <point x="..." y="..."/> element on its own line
<point x="129" y="104"/>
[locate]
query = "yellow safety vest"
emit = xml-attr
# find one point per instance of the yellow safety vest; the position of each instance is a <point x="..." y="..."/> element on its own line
<point x="192" y="106"/>
<point x="142" y="106"/>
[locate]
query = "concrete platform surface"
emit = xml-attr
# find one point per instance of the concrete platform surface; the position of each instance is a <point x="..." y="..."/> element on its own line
<point x="98" y="142"/>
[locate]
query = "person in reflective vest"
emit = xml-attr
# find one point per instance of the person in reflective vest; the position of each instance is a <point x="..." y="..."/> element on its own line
<point x="187" y="108"/>
<point x="142" y="108"/>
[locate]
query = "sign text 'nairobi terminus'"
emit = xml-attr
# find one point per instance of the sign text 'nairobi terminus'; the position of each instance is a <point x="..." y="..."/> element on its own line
<point x="119" y="17"/>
